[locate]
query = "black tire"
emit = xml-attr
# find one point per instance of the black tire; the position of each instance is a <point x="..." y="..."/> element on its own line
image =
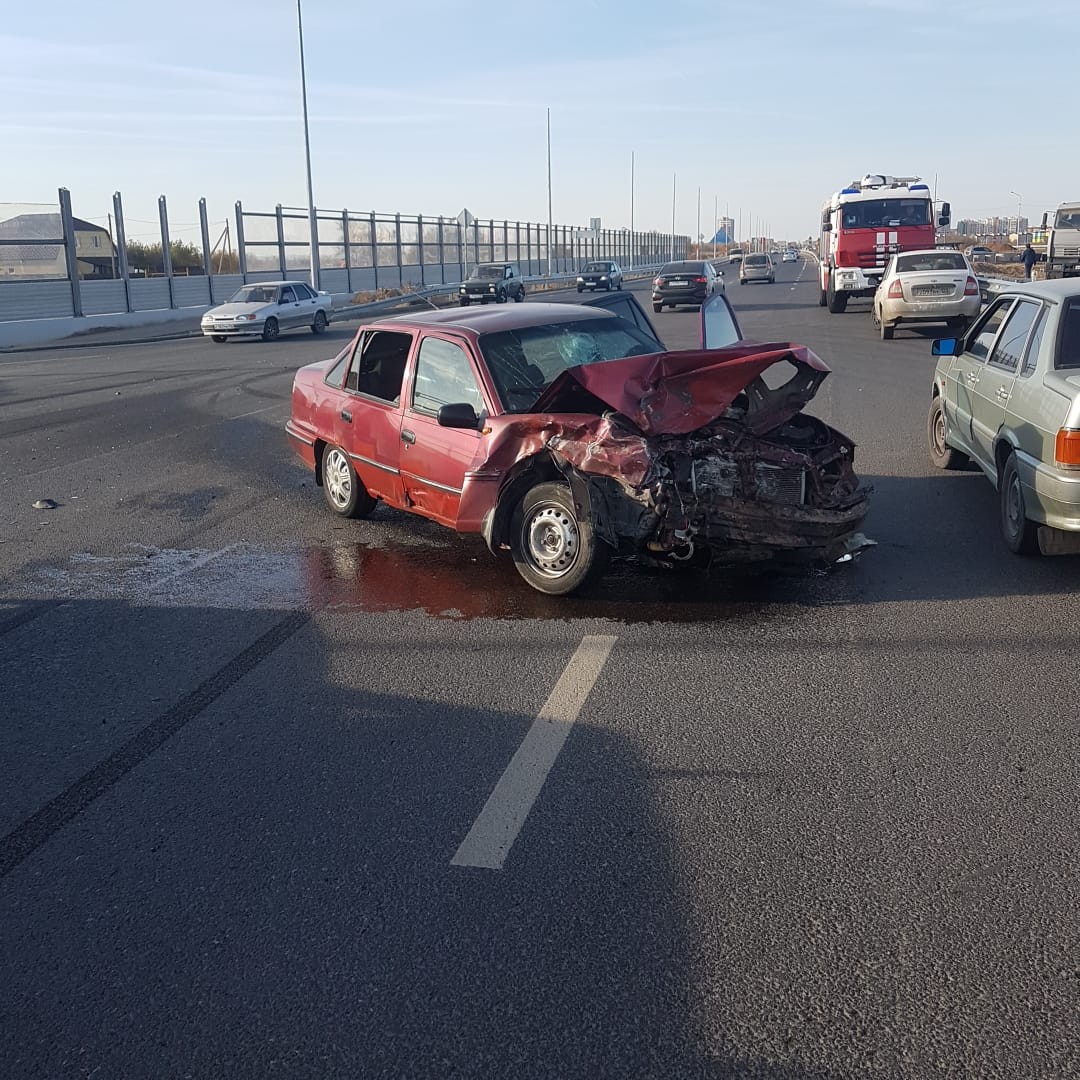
<point x="219" y="338"/>
<point x="1020" y="533"/>
<point x="823" y="299"/>
<point x="607" y="287"/>
<point x="619" y="286"/>
<point x="657" y="308"/>
<point x="554" y="551"/>
<point x="941" y="453"/>
<point x="464" y="301"/>
<point x="344" y="490"/>
<point x="885" y="330"/>
<point x="318" y="326"/>
<point x="520" y="295"/>
<point x="271" y="330"/>
<point x="500" y="297"/>
<point x="837" y="302"/>
<point x="581" y="288"/>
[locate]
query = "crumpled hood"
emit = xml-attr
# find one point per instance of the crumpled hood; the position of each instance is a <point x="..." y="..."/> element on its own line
<point x="674" y="393"/>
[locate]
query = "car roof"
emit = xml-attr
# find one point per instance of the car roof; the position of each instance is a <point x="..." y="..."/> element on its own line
<point x="1058" y="289"/>
<point x="487" y="320"/>
<point x="932" y="251"/>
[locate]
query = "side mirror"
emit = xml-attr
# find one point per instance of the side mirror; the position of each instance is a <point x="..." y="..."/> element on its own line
<point x="948" y="346"/>
<point x="826" y="226"/>
<point x="1044" y="217"/>
<point x="944" y="215"/>
<point x="719" y="326"/>
<point x="458" y="415"/>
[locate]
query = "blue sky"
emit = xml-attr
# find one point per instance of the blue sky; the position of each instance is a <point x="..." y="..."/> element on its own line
<point x="767" y="105"/>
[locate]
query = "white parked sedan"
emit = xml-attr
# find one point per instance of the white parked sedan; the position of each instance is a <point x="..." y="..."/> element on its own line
<point x="926" y="286"/>
<point x="267" y="310"/>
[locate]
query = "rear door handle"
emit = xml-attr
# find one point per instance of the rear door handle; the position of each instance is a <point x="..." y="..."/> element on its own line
<point x="346" y="416"/>
<point x="408" y="437"/>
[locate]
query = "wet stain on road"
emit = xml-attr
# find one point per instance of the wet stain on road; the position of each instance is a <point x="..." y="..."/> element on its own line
<point x="455" y="581"/>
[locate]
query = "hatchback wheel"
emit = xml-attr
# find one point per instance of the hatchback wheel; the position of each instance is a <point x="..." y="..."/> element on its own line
<point x="464" y="301"/>
<point x="941" y="453"/>
<point x="219" y="338"/>
<point x="553" y="550"/>
<point x="271" y="330"/>
<point x="1021" y="534"/>
<point x="319" y="325"/>
<point x="344" y="490"/>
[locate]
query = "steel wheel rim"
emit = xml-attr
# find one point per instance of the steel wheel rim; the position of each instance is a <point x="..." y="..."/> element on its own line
<point x="939" y="433"/>
<point x="337" y="478"/>
<point x="1014" y="506"/>
<point x="271" y="329"/>
<point x="552" y="541"/>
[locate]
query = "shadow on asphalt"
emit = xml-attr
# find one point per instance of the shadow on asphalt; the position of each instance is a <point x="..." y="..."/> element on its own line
<point x="265" y="884"/>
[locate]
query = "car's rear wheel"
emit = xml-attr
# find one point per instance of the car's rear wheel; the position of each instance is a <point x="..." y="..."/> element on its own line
<point x="464" y="301"/>
<point x="1021" y="534"/>
<point x="520" y="295"/>
<point x="657" y="308"/>
<point x="941" y="453"/>
<point x="271" y="330"/>
<point x="319" y="325"/>
<point x="884" y="328"/>
<point x="219" y="338"/>
<point x="344" y="490"/>
<point x="553" y="550"/>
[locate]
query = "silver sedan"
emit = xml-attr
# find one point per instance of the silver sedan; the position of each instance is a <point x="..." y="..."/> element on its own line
<point x="268" y="309"/>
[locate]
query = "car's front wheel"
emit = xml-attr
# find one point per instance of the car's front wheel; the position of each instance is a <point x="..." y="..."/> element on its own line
<point x="553" y="550"/>
<point x="1021" y="534"/>
<point x="219" y="338"/>
<point x="271" y="330"/>
<point x="319" y="325"/>
<point x="344" y="490"/>
<point x="520" y="295"/>
<point x="619" y="286"/>
<point x="941" y="453"/>
<point x="464" y="301"/>
<point x="581" y="288"/>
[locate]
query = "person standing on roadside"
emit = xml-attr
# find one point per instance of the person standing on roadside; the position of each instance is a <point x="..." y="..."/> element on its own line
<point x="1029" y="258"/>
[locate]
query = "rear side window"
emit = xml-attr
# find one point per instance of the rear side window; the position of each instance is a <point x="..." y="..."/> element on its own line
<point x="378" y="367"/>
<point x="337" y="372"/>
<point x="1069" y="343"/>
<point x="981" y="340"/>
<point x="1010" y="344"/>
<point x="1031" y="355"/>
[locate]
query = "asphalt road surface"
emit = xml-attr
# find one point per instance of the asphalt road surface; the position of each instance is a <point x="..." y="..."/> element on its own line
<point x="269" y="780"/>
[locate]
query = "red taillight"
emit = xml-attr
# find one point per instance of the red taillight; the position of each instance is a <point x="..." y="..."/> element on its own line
<point x="701" y="280"/>
<point x="972" y="287"/>
<point x="896" y="290"/>
<point x="1067" y="448"/>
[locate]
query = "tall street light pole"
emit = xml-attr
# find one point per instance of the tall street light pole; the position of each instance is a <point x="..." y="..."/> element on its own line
<point x="1019" y="208"/>
<point x="312" y="224"/>
<point x="631" y="210"/>
<point x="674" y="177"/>
<point x="550" y="219"/>
<point x="699" y="236"/>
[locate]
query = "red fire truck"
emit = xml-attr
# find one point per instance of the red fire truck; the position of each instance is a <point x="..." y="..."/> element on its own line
<point x="864" y="224"/>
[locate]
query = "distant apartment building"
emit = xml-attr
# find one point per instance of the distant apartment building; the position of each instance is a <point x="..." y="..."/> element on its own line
<point x="993" y="228"/>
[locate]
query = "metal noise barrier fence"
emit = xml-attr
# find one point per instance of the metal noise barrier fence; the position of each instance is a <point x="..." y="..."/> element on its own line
<point x="54" y="264"/>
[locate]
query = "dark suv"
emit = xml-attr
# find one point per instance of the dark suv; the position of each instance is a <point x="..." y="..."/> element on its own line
<point x="497" y="282"/>
<point x="685" y="283"/>
<point x="599" y="274"/>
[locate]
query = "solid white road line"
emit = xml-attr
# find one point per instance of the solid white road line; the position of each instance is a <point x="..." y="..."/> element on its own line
<point x="494" y="831"/>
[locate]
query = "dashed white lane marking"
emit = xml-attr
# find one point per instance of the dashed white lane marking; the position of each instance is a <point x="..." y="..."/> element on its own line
<point x="802" y="267"/>
<point x="494" y="831"/>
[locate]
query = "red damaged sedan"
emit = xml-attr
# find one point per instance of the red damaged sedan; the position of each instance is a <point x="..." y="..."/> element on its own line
<point x="565" y="433"/>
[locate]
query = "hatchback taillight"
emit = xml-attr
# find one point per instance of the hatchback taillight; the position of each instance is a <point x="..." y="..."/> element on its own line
<point x="896" y="290"/>
<point x="1067" y="448"/>
<point x="972" y="287"/>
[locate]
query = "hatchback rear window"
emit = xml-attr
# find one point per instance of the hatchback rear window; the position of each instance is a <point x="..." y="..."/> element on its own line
<point x="755" y="260"/>
<point x="938" y="260"/>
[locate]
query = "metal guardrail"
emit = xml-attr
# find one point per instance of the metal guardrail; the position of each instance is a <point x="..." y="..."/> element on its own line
<point x="415" y="297"/>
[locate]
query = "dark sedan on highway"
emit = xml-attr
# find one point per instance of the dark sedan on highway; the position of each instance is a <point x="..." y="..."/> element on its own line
<point x="690" y="283"/>
<point x="566" y="433"/>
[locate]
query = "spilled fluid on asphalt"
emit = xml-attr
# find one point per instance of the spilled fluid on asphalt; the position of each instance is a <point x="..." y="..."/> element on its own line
<point x="459" y="580"/>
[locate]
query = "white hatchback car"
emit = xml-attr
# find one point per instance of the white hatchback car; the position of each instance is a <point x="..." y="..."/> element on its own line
<point x="933" y="285"/>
